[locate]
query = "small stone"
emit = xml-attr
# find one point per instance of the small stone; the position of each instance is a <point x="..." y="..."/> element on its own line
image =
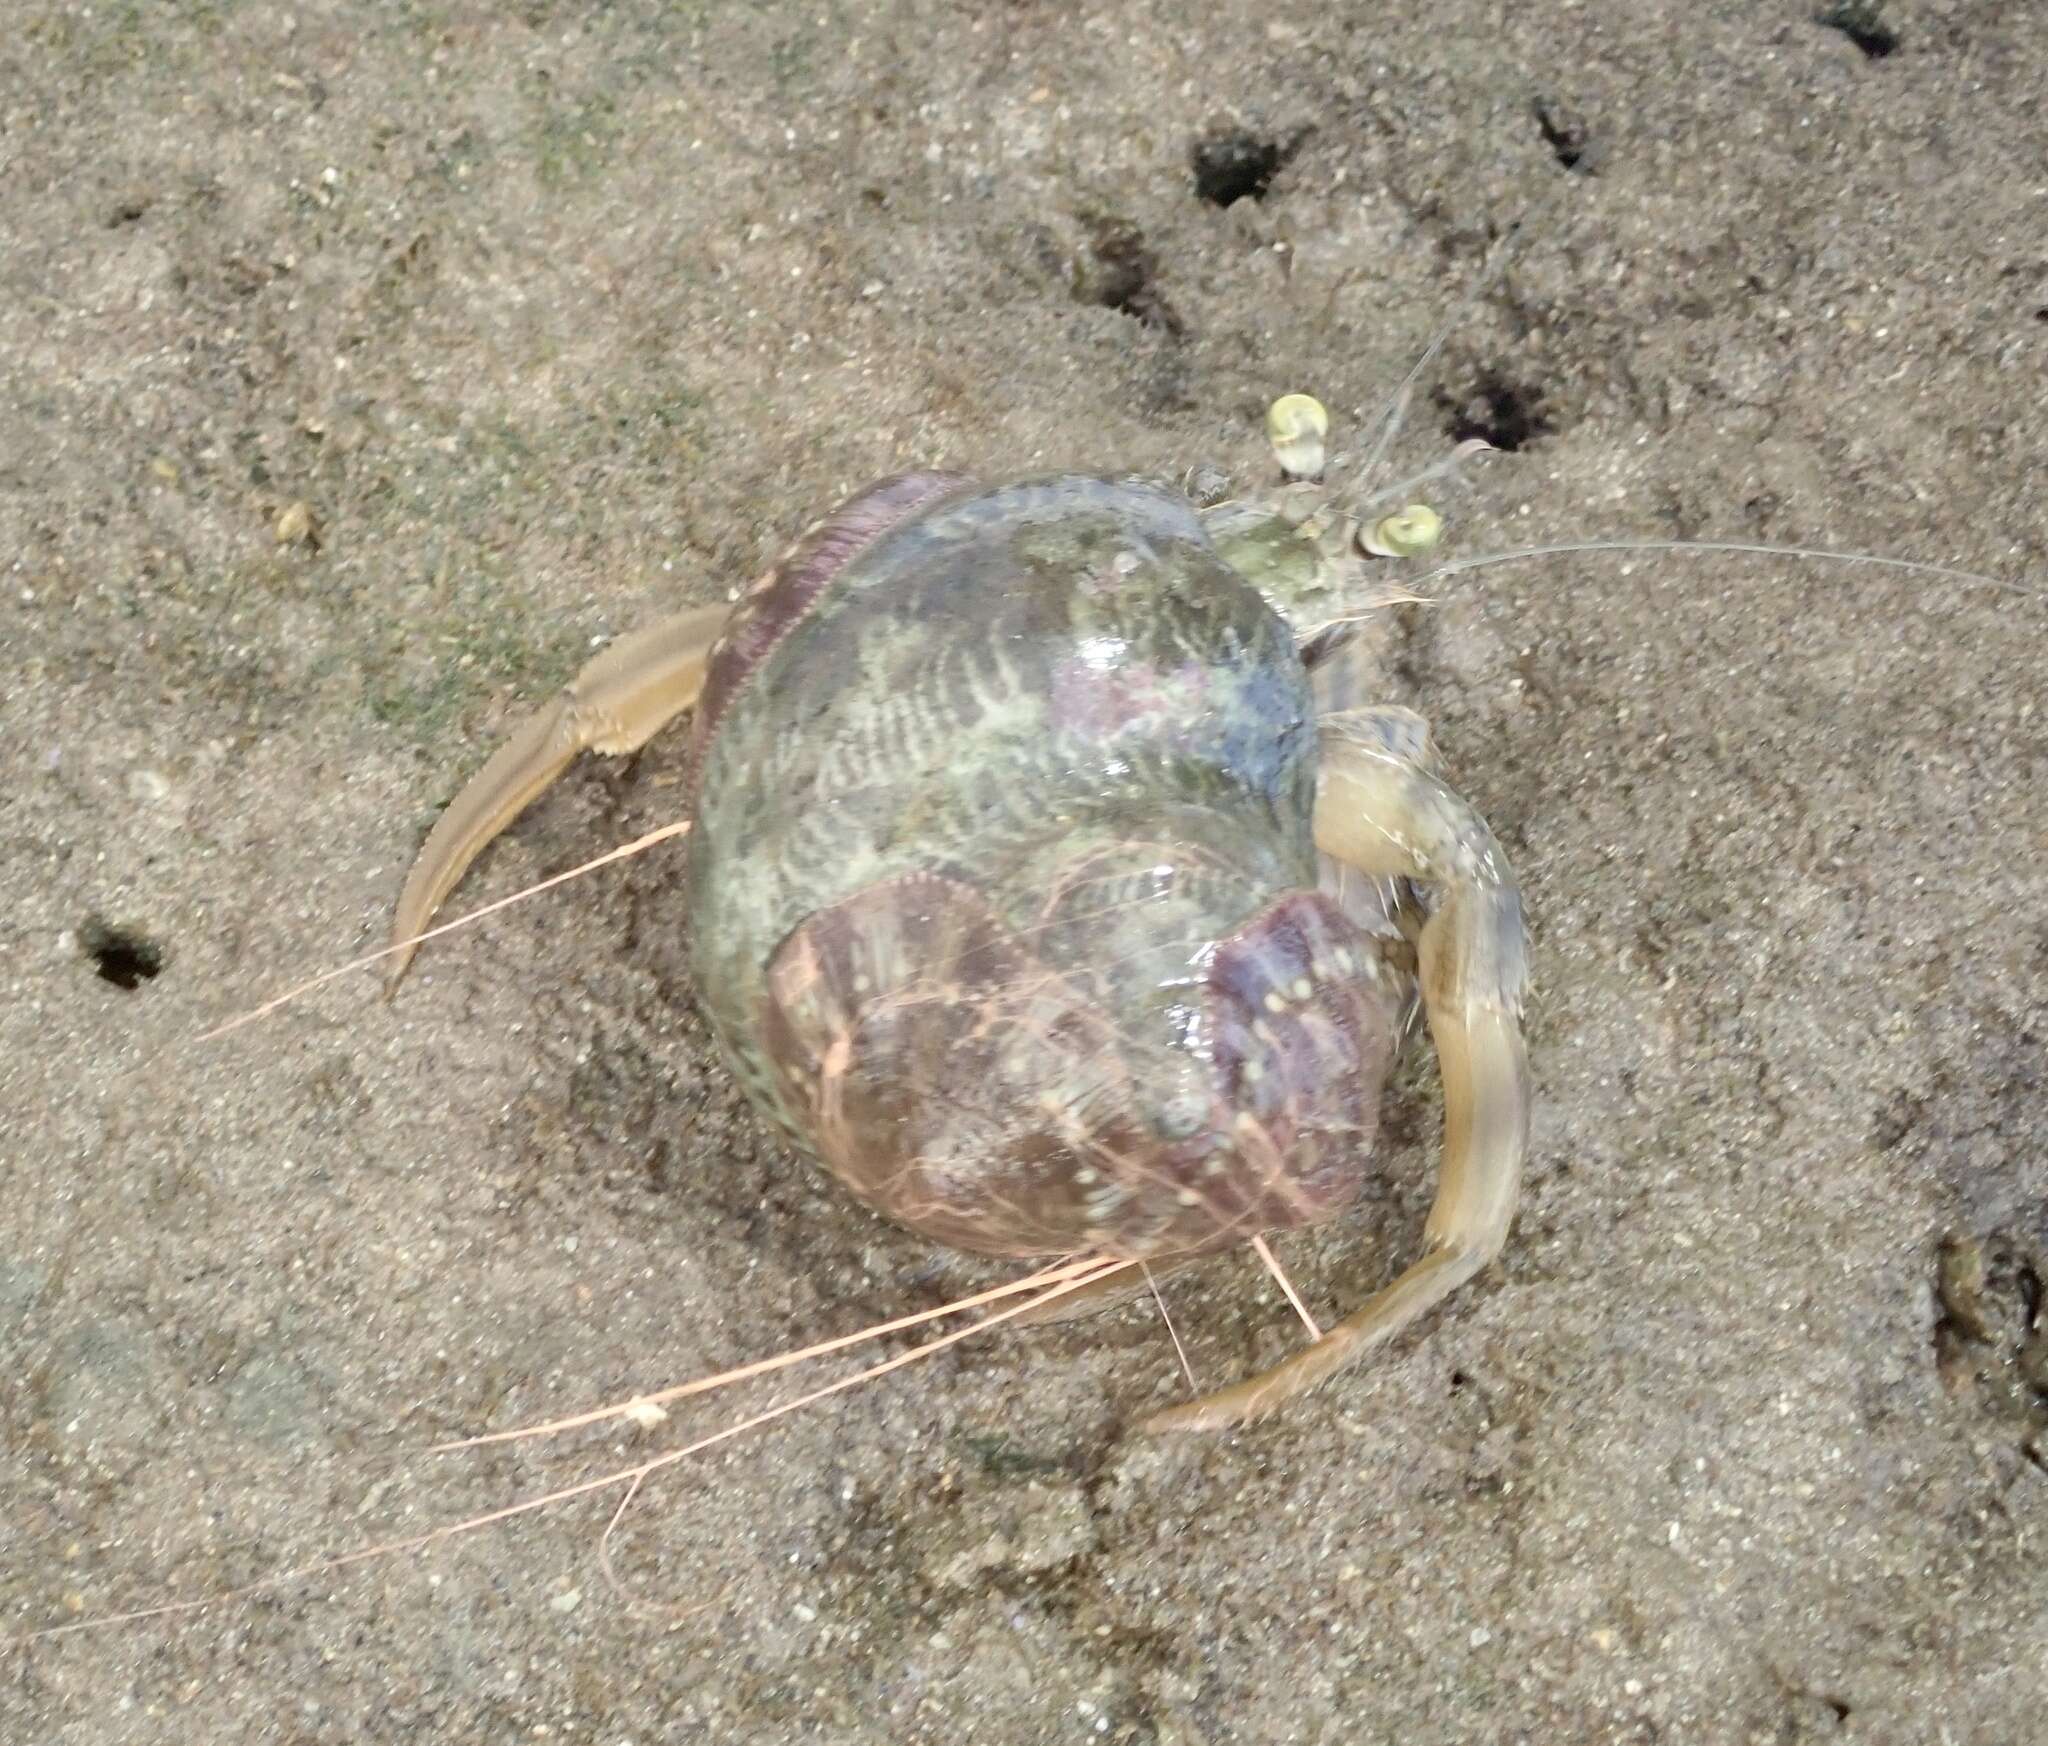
<point x="298" y="525"/>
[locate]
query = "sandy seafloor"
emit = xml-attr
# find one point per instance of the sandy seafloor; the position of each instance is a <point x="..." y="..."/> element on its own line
<point x="559" y="315"/>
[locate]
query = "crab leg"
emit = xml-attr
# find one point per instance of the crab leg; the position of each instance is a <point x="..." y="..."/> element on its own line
<point x="621" y="699"/>
<point x="1380" y="810"/>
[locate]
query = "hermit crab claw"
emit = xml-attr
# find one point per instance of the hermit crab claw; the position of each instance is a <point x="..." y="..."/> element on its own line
<point x="620" y="700"/>
<point x="1381" y="809"/>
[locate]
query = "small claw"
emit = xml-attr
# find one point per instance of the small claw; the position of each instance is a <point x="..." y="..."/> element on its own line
<point x="623" y="697"/>
<point x="518" y="773"/>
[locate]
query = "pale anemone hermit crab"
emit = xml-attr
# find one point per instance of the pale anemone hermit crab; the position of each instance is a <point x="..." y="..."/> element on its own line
<point x="1037" y="893"/>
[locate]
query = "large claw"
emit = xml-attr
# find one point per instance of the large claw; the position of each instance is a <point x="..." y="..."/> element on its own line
<point x="1381" y="809"/>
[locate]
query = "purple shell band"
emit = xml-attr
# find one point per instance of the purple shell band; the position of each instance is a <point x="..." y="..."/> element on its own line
<point x="779" y="601"/>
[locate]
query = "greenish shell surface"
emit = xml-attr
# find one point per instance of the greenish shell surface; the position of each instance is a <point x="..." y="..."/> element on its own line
<point x="1002" y="885"/>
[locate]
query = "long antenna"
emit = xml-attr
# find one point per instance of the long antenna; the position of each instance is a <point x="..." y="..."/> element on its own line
<point x="637" y="846"/>
<point x="1397" y="404"/>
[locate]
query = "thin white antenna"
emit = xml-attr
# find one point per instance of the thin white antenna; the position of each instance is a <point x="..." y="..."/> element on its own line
<point x="1397" y="405"/>
<point x="1287" y="1285"/>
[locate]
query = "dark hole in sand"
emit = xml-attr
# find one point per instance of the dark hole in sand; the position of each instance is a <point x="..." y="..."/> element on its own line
<point x="121" y="956"/>
<point x="1508" y="415"/>
<point x="1126" y="277"/>
<point x="1567" y="136"/>
<point x="1236" y="166"/>
<point x="1860" y="22"/>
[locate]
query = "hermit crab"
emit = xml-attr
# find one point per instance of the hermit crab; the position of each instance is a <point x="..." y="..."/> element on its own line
<point x="1043" y="891"/>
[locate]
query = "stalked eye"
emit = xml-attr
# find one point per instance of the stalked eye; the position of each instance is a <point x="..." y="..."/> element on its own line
<point x="1296" y="425"/>
<point x="1403" y="534"/>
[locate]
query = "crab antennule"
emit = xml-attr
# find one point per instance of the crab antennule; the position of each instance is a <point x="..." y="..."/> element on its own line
<point x="1398" y="403"/>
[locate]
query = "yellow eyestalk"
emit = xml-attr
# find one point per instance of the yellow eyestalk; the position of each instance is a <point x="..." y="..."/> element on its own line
<point x="1296" y="425"/>
<point x="1405" y="533"/>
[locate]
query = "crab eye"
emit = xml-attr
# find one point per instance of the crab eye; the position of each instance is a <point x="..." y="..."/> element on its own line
<point x="1296" y="425"/>
<point x="1404" y="533"/>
